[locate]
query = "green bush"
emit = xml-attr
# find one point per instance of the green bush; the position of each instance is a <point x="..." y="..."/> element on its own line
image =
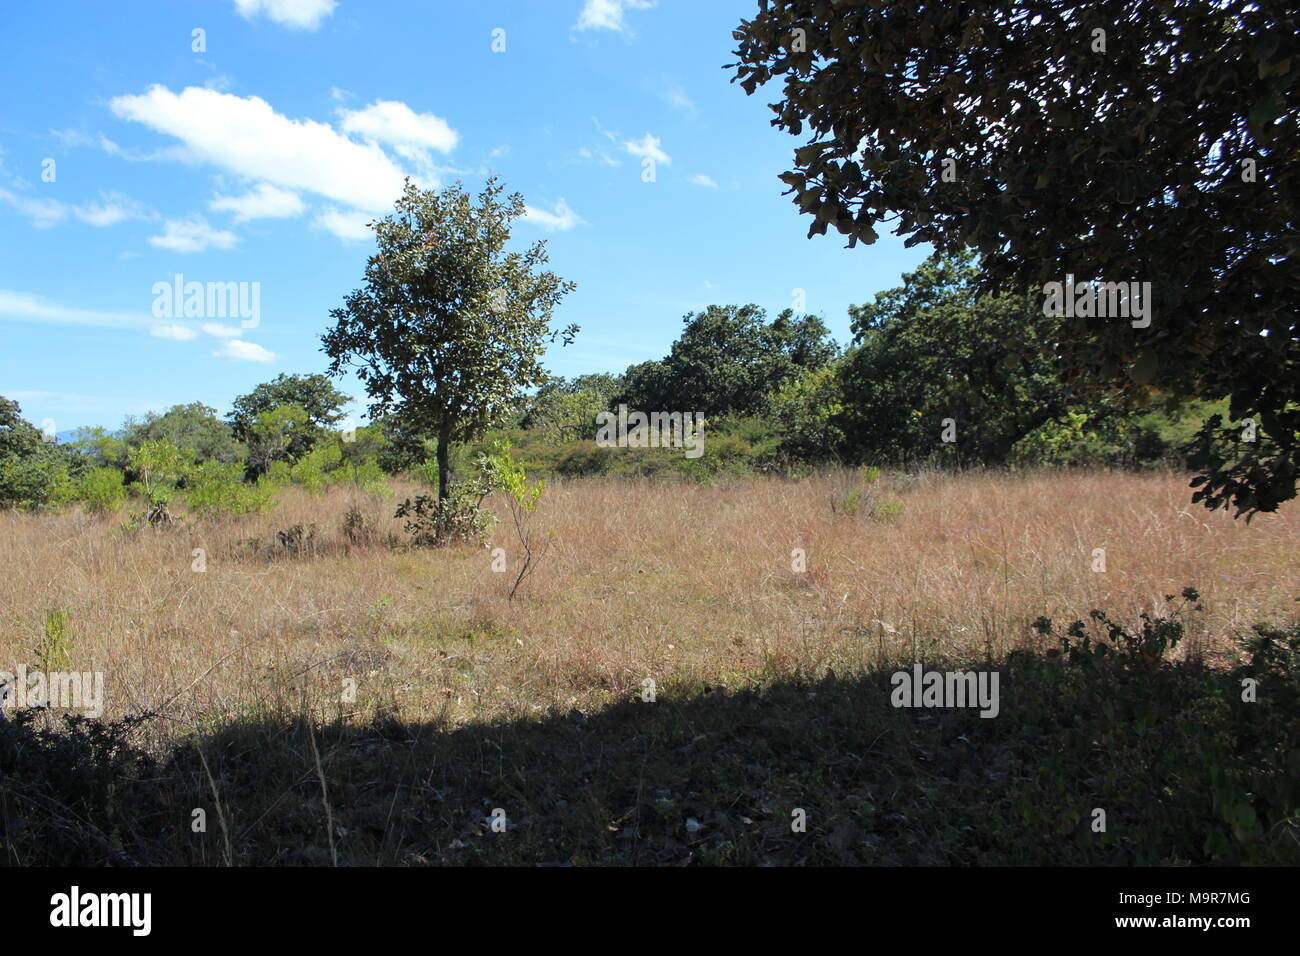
<point x="579" y="459"/>
<point x="1213" y="767"/>
<point x="216" y="489"/>
<point x="102" y="489"/>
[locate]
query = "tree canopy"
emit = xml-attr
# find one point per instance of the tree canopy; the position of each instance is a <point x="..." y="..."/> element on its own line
<point x="449" y="327"/>
<point x="1153" y="141"/>
<point x="729" y="359"/>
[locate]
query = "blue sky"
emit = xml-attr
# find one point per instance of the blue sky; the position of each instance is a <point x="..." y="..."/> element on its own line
<point x="260" y="159"/>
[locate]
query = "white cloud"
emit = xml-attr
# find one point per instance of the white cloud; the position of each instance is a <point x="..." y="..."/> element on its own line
<point x="700" y="179"/>
<point x="25" y="307"/>
<point x="678" y="99"/>
<point x="42" y="212"/>
<point x="608" y="14"/>
<point x="221" y="331"/>
<point x="648" y="145"/>
<point x="181" y="333"/>
<point x="192" y="235"/>
<point x="244" y="135"/>
<point x="562" y="219"/>
<point x="241" y="351"/>
<point x="348" y="224"/>
<point x="388" y="121"/>
<point x="604" y="157"/>
<point x="109" y="210"/>
<point x="263" y="202"/>
<point x="296" y="14"/>
<point x="112" y="208"/>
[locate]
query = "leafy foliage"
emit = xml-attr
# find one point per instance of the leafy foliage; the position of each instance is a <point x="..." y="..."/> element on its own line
<point x="1119" y="163"/>
<point x="935" y="349"/>
<point x="448" y="327"/>
<point x="194" y="429"/>
<point x="728" y="359"/>
<point x="315" y="396"/>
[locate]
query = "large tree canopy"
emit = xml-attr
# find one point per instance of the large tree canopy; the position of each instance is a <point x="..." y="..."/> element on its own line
<point x="1133" y="141"/>
<point x="931" y="352"/>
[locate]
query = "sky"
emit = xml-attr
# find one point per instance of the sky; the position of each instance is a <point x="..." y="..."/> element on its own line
<point x="249" y="141"/>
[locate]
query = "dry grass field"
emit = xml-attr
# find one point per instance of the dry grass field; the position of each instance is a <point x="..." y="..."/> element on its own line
<point x="688" y="585"/>
<point x="679" y="583"/>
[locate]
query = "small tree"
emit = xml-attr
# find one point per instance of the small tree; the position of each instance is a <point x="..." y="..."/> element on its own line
<point x="502" y="472"/>
<point x="448" y="328"/>
<point x="159" y="465"/>
<point x="282" y="433"/>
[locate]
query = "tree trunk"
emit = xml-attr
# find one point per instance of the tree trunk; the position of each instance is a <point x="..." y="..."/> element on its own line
<point x="444" y="469"/>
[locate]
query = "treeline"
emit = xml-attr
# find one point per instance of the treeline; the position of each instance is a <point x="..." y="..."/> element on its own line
<point x="935" y="374"/>
<point x="283" y="432"/>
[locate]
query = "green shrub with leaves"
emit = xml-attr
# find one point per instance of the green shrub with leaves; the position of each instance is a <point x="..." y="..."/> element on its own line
<point x="1210" y="763"/>
<point x="219" y="489"/>
<point x="102" y="489"/>
<point x="158" y="465"/>
<point x="502" y="471"/>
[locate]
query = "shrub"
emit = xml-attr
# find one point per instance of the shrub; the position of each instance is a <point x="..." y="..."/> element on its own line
<point x="1214" y="764"/>
<point x="217" y="488"/>
<point x="298" y="539"/>
<point x="66" y="795"/>
<point x="856" y="495"/>
<point x="501" y="470"/>
<point x="460" y="517"/>
<point x="102" y="489"/>
<point x="584" y="458"/>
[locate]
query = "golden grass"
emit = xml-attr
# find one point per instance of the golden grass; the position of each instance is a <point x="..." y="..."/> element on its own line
<point x="681" y="583"/>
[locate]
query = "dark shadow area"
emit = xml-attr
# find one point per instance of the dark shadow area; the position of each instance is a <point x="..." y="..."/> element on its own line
<point x="1185" y="770"/>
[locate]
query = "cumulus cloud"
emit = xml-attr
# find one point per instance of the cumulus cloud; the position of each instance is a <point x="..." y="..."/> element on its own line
<point x="263" y="202"/>
<point x="648" y="145"/>
<point x="562" y="218"/>
<point x="245" y="136"/>
<point x="241" y="351"/>
<point x="608" y="14"/>
<point x="295" y="14"/>
<point x="388" y="121"/>
<point x="192" y="235"/>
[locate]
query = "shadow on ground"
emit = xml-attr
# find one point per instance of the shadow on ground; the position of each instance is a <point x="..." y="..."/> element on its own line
<point x="1184" y="770"/>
